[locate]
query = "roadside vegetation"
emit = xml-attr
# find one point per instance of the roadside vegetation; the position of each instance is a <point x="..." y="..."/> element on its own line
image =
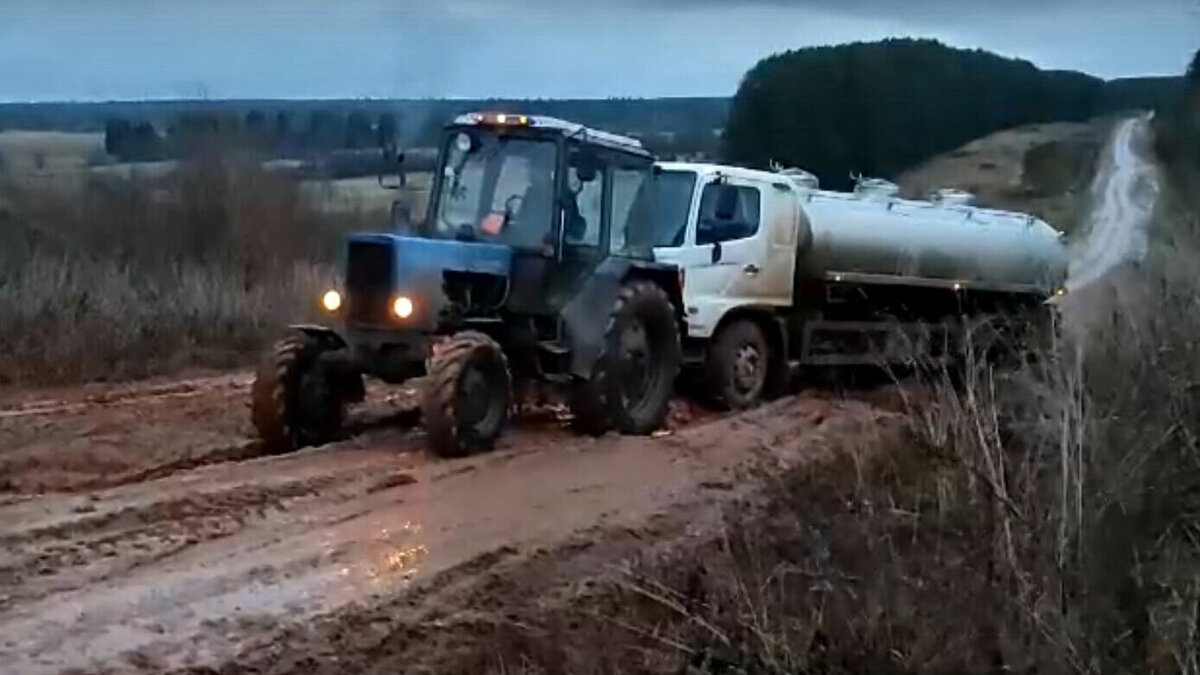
<point x="1037" y="518"/>
<point x="118" y="276"/>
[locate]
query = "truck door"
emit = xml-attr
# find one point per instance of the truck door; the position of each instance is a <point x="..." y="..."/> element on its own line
<point x="734" y="262"/>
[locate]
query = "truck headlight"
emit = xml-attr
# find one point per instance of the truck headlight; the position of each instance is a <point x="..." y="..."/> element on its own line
<point x="402" y="307"/>
<point x="332" y="301"/>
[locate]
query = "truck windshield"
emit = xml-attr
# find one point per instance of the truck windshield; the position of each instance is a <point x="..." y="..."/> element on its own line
<point x="659" y="213"/>
<point x="494" y="188"/>
<point x="673" y="204"/>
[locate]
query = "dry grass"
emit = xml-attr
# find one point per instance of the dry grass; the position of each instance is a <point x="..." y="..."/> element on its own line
<point x="1040" y="169"/>
<point x="1043" y="517"/>
<point x="48" y="151"/>
<point x="128" y="276"/>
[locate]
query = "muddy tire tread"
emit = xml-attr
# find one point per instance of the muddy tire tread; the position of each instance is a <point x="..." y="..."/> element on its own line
<point x="439" y="403"/>
<point x="270" y="403"/>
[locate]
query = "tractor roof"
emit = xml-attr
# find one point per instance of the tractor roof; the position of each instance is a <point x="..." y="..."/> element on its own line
<point x="568" y="129"/>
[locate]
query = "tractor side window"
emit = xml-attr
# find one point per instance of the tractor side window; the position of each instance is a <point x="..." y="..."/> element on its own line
<point x="727" y="212"/>
<point x="584" y="200"/>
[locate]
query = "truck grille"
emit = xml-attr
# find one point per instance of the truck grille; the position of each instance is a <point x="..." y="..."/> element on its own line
<point x="370" y="278"/>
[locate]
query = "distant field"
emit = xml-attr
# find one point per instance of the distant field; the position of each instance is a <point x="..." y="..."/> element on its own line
<point x="365" y="194"/>
<point x="137" y="169"/>
<point x="47" y="151"/>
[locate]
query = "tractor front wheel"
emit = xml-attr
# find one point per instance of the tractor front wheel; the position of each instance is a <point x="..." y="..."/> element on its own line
<point x="294" y="400"/>
<point x="466" y="397"/>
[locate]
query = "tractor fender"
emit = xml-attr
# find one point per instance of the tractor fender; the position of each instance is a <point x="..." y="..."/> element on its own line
<point x="586" y="316"/>
<point x="328" y="337"/>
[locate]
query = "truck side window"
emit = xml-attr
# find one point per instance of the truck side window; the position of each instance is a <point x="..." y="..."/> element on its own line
<point x="727" y="212"/>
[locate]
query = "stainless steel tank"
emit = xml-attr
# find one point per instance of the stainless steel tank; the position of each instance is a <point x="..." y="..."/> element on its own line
<point x="872" y="236"/>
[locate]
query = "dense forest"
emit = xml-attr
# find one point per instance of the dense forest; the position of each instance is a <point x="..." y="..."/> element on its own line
<point x="1177" y="137"/>
<point x="879" y="108"/>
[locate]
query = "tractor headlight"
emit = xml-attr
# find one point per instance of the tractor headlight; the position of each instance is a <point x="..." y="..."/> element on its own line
<point x="402" y="307"/>
<point x="332" y="301"/>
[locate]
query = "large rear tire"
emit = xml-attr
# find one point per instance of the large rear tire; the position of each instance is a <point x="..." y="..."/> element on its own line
<point x="739" y="365"/>
<point x="467" y="393"/>
<point x="294" y="403"/>
<point x="633" y="380"/>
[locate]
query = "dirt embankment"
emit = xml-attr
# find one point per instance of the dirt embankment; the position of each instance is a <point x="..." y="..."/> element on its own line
<point x="141" y="532"/>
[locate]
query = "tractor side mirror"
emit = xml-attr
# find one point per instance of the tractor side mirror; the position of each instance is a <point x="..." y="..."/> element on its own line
<point x="390" y="154"/>
<point x="587" y="165"/>
<point x="716" y="252"/>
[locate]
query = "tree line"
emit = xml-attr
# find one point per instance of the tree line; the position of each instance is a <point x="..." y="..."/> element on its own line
<point x="320" y="131"/>
<point x="1177" y="130"/>
<point x="880" y="108"/>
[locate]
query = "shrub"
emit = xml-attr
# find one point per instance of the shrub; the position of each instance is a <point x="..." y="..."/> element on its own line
<point x="131" y="276"/>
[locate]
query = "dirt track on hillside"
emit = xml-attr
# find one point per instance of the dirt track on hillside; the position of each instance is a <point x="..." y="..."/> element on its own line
<point x="142" y="532"/>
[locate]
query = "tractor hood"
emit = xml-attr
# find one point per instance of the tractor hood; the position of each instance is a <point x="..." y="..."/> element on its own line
<point x="381" y="268"/>
<point x="415" y="255"/>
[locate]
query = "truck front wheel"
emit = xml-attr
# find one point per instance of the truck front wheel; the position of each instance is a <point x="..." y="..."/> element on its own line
<point x="632" y="382"/>
<point x="466" y="396"/>
<point x="738" y="365"/>
<point x="295" y="402"/>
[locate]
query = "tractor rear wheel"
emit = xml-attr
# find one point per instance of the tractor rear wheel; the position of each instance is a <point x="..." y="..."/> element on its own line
<point x="633" y="380"/>
<point x="466" y="397"/>
<point x="294" y="401"/>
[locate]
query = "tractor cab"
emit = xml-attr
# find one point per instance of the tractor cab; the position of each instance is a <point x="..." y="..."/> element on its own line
<point x="558" y="196"/>
<point x="522" y="211"/>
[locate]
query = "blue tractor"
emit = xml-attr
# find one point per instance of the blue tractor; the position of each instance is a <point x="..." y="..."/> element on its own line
<point x="533" y="264"/>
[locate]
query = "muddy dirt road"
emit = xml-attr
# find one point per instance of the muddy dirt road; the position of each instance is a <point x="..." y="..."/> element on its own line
<point x="140" y="532"/>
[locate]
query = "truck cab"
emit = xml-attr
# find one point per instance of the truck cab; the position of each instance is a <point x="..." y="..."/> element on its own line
<point x="734" y="233"/>
<point x="735" y="238"/>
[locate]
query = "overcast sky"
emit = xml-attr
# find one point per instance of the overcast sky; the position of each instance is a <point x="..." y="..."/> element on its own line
<point x="132" y="49"/>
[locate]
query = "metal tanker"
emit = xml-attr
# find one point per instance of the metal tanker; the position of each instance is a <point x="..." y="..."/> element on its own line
<point x="777" y="272"/>
<point x="871" y="235"/>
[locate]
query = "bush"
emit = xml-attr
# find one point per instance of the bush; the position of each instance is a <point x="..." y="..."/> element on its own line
<point x="126" y="277"/>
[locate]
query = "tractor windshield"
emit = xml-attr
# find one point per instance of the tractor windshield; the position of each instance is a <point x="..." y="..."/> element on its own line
<point x="495" y="188"/>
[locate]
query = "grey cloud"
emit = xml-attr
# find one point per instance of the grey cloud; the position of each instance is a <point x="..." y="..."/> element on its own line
<point x="319" y="48"/>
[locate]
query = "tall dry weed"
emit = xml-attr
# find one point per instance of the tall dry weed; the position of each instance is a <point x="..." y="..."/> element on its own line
<point x="122" y="277"/>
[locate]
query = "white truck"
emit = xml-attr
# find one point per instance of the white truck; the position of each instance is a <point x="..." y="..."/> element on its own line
<point x="778" y="273"/>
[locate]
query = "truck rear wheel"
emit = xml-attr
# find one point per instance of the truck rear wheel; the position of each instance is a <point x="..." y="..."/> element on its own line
<point x="466" y="397"/>
<point x="294" y="402"/>
<point x="738" y="365"/>
<point x="632" y="382"/>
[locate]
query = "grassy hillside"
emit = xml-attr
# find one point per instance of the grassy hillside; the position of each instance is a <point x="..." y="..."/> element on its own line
<point x="1043" y="169"/>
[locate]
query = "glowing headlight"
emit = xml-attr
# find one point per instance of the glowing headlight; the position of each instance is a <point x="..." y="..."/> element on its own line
<point x="332" y="300"/>
<point x="402" y="307"/>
